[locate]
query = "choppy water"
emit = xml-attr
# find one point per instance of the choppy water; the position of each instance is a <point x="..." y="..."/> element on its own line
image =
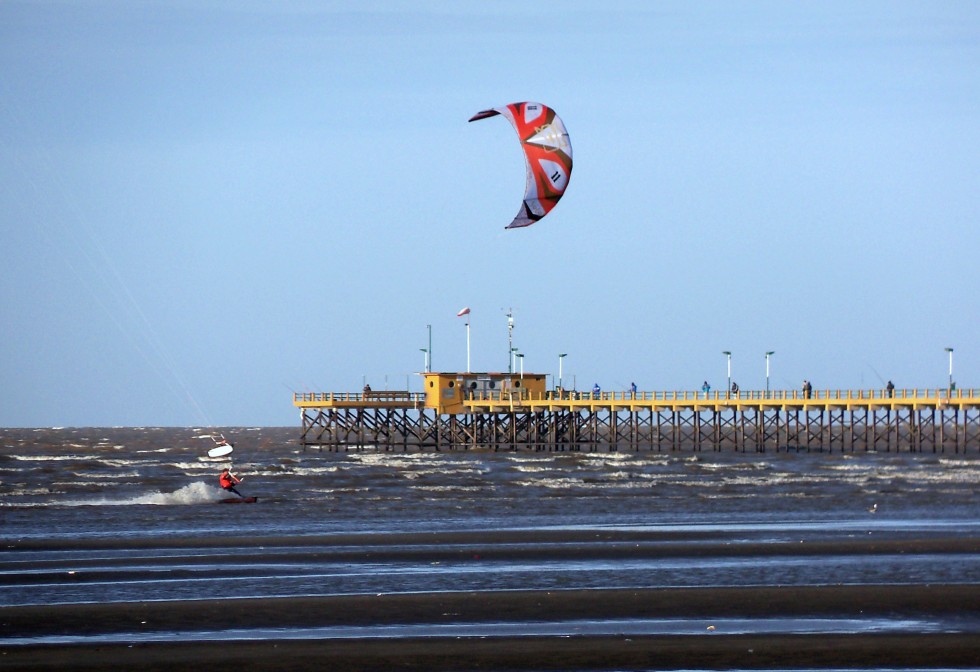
<point x="153" y="482"/>
<point x="105" y="515"/>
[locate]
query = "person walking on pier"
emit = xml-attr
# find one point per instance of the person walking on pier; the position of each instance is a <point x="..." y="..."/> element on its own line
<point x="705" y="388"/>
<point x="596" y="391"/>
<point x="890" y="388"/>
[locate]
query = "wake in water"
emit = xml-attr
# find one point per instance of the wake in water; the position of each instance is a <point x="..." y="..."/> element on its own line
<point x="195" y="493"/>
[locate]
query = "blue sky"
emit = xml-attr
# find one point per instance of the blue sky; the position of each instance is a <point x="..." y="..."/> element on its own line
<point x="205" y="206"/>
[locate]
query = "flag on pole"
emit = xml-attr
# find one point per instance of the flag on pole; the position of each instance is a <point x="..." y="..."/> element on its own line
<point x="464" y="311"/>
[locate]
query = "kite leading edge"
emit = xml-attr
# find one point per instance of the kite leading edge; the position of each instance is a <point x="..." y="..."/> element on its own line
<point x="547" y="157"/>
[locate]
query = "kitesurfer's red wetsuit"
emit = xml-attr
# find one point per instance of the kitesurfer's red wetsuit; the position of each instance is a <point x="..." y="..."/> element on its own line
<point x="228" y="482"/>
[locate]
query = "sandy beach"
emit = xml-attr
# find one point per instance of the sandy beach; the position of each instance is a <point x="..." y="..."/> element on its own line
<point x="714" y="648"/>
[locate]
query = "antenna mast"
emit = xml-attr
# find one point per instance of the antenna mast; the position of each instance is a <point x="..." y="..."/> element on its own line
<point x="510" y="340"/>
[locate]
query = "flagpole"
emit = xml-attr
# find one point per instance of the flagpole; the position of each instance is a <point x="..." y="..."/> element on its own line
<point x="466" y="312"/>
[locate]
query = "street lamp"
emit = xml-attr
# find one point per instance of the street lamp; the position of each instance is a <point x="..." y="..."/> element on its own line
<point x="768" y="354"/>
<point x="728" y="354"/>
<point x="950" y="351"/>
<point x="520" y="355"/>
<point x="561" y="356"/>
<point x="513" y="359"/>
<point x="425" y="365"/>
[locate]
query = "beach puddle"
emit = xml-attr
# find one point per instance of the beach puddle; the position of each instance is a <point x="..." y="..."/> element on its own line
<point x="565" y="628"/>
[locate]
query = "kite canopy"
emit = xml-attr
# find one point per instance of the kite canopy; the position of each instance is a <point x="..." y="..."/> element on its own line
<point x="547" y="157"/>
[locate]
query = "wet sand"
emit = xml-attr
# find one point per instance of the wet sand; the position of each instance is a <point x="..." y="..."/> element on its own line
<point x="713" y="649"/>
<point x="580" y="653"/>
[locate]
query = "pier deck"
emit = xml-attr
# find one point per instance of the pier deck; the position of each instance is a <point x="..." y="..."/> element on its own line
<point x="911" y="420"/>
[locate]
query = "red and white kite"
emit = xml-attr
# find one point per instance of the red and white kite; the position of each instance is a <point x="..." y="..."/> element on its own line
<point x="547" y="157"/>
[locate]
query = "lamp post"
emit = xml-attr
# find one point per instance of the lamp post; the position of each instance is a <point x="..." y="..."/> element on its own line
<point x="520" y="356"/>
<point x="425" y="361"/>
<point x="768" y="354"/>
<point x="561" y="356"/>
<point x="950" y="388"/>
<point x="428" y="356"/>
<point x="467" y="344"/>
<point x="728" y="354"/>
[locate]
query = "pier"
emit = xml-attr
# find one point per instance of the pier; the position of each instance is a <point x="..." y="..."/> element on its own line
<point x="491" y="411"/>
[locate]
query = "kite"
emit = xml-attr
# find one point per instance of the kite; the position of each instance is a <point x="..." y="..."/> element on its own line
<point x="547" y="157"/>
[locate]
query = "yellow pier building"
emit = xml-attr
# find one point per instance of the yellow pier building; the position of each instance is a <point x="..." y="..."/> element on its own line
<point x="511" y="411"/>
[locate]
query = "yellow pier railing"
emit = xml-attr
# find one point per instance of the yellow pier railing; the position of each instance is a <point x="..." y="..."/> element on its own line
<point x="692" y="400"/>
<point x="515" y="417"/>
<point x="667" y="399"/>
<point x="400" y="399"/>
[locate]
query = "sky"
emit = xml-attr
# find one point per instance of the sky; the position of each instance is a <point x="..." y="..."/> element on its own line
<point x="206" y="206"/>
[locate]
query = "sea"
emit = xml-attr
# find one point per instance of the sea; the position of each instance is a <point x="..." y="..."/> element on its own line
<point x="100" y="515"/>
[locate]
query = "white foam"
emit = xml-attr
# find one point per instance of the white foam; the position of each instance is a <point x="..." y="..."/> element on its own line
<point x="50" y="458"/>
<point x="452" y="488"/>
<point x="534" y="468"/>
<point x="194" y="493"/>
<point x="315" y="471"/>
<point x="398" y="461"/>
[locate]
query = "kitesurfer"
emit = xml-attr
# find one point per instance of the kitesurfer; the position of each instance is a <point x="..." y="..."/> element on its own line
<point x="228" y="481"/>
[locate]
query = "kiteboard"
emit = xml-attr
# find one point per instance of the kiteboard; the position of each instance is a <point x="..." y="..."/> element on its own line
<point x="239" y="500"/>
<point x="221" y="451"/>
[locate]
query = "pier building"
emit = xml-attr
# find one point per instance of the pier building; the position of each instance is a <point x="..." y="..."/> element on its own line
<point x="511" y="411"/>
